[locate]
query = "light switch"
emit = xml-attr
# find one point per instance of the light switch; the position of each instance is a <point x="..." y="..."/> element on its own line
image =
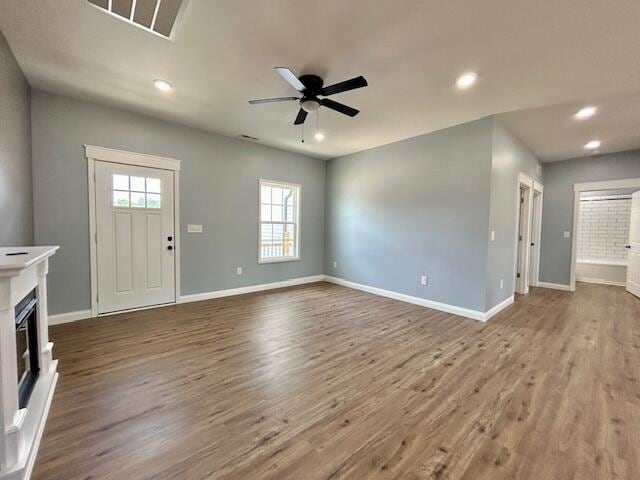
<point x="567" y="234"/>
<point x="191" y="228"/>
<point x="493" y="235"/>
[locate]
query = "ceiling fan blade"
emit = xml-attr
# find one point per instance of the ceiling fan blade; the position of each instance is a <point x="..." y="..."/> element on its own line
<point x="302" y="116"/>
<point x="290" y="77"/>
<point x="271" y="100"/>
<point x="357" y="82"/>
<point x="339" y="107"/>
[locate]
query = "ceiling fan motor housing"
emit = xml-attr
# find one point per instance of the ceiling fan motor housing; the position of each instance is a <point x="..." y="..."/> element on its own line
<point x="313" y="84"/>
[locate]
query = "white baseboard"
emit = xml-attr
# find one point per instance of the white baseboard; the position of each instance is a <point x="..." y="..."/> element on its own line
<point x="250" y="289"/>
<point x="69" y="317"/>
<point x="444" y="307"/>
<point x="555" y="286"/>
<point x="423" y="302"/>
<point x="600" y="281"/>
<point x="86" y="314"/>
<point x="499" y="307"/>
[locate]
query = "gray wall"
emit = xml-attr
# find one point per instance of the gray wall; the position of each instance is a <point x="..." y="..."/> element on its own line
<point x="419" y="206"/>
<point x="16" y="195"/>
<point x="510" y="157"/>
<point x="557" y="215"/>
<point x="219" y="189"/>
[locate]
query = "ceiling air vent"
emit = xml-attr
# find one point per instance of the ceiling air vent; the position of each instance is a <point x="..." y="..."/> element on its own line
<point x="157" y="16"/>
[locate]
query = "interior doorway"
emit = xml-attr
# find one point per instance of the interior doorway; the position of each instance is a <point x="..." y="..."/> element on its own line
<point x="614" y="258"/>
<point x="528" y="229"/>
<point x="536" y="233"/>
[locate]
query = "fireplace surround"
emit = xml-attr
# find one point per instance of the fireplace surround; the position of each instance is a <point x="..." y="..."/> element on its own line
<point x="28" y="373"/>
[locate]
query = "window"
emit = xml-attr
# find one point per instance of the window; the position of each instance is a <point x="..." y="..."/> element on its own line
<point x="279" y="222"/>
<point x="135" y="192"/>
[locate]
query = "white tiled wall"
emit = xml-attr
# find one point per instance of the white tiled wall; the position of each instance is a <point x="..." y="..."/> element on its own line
<point x="603" y="228"/>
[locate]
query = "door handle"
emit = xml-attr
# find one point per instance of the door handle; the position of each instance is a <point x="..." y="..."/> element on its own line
<point x="627" y="246"/>
<point x="170" y="238"/>
<point x="170" y="247"/>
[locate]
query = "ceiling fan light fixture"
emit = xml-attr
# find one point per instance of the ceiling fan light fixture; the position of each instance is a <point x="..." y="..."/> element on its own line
<point x="593" y="145"/>
<point x="319" y="136"/>
<point x="310" y="106"/>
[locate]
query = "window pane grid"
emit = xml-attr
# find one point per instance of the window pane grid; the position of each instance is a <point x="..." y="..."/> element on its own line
<point x="135" y="192"/>
<point x="278" y="221"/>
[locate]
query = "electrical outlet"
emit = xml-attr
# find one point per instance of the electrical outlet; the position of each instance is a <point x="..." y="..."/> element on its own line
<point x="194" y="228"/>
<point x="501" y="283"/>
<point x="335" y="264"/>
<point x="239" y="271"/>
<point x="424" y="280"/>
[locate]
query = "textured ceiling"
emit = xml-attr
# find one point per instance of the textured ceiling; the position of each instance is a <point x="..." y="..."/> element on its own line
<point x="541" y="60"/>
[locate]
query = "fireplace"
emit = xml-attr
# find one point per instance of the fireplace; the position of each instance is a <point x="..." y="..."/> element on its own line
<point x="28" y="373"/>
<point x="27" y="347"/>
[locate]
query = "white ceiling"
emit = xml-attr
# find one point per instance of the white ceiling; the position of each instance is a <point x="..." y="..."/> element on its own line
<point x="554" y="134"/>
<point x="544" y="57"/>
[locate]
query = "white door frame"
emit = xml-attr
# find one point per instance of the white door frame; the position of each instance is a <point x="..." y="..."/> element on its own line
<point x="588" y="187"/>
<point x="522" y="284"/>
<point x="94" y="154"/>
<point x="536" y="235"/>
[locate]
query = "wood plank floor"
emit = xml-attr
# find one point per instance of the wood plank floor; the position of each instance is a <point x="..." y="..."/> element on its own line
<point x="325" y="382"/>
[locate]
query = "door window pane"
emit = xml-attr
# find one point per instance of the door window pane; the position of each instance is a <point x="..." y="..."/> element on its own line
<point x="120" y="182"/>
<point x="120" y="199"/>
<point x="153" y="185"/>
<point x="153" y="200"/>
<point x="137" y="199"/>
<point x="137" y="184"/>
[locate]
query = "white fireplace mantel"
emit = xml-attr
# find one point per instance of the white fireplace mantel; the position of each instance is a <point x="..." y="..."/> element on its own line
<point x="22" y="427"/>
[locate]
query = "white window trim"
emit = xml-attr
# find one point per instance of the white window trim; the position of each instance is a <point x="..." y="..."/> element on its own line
<point x="262" y="261"/>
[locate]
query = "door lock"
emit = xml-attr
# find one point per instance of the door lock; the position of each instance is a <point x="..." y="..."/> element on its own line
<point x="170" y="238"/>
<point x="170" y="247"/>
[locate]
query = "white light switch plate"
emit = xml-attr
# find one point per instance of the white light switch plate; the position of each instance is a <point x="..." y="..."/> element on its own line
<point x="194" y="228"/>
<point x="493" y="235"/>
<point x="567" y="234"/>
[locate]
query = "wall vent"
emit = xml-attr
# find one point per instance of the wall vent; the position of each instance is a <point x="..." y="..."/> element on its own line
<point x="249" y="137"/>
<point x="156" y="16"/>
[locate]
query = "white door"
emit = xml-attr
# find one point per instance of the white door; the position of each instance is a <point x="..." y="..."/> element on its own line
<point x="633" y="266"/>
<point x="135" y="237"/>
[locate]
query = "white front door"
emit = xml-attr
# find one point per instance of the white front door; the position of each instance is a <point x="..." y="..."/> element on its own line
<point x="135" y="237"/>
<point x="633" y="266"/>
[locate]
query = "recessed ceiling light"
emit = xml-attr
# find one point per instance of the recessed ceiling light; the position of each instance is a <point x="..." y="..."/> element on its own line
<point x="592" y="145"/>
<point x="319" y="136"/>
<point x="466" y="80"/>
<point x="586" y="112"/>
<point x="162" y="85"/>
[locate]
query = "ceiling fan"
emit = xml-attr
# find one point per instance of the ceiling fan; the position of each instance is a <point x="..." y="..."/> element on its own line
<point x="311" y="87"/>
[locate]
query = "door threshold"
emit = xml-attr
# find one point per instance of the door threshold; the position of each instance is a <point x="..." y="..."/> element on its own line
<point x="137" y="309"/>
